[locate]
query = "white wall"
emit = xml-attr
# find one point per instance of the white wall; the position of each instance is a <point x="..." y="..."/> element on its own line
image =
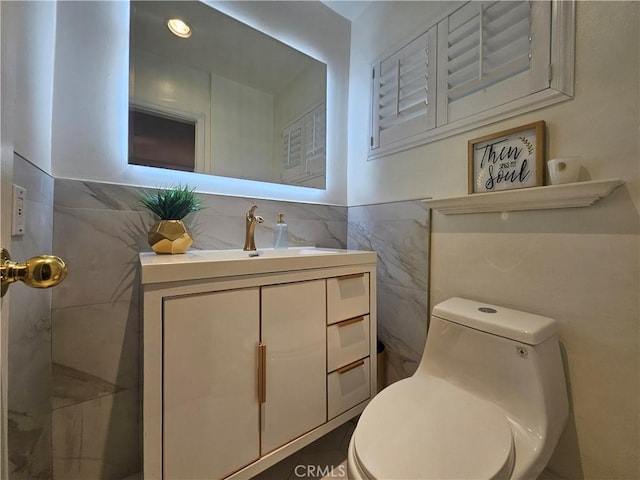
<point x="301" y="95"/>
<point x="242" y="131"/>
<point x="90" y="94"/>
<point x="34" y="92"/>
<point x="157" y="81"/>
<point x="580" y="266"/>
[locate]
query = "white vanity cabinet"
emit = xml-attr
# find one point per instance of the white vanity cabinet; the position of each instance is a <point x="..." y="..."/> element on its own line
<point x="247" y="360"/>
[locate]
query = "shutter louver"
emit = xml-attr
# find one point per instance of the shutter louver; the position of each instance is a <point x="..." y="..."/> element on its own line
<point x="292" y="148"/>
<point x="401" y="91"/>
<point x="487" y="43"/>
<point x="315" y="131"/>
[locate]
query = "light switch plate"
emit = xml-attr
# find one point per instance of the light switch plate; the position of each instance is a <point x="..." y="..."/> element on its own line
<point x="18" y="211"/>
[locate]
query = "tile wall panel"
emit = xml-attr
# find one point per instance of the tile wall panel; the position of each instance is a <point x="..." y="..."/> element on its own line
<point x="399" y="233"/>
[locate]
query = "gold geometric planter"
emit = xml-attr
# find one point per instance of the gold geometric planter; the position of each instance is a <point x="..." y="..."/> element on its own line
<point x="169" y="236"/>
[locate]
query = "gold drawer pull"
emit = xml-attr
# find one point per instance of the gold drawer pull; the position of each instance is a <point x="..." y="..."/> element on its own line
<point x="353" y="366"/>
<point x="353" y="275"/>
<point x="262" y="373"/>
<point x="350" y="322"/>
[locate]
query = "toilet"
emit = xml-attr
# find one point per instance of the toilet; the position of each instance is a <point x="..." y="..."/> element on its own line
<point x="488" y="401"/>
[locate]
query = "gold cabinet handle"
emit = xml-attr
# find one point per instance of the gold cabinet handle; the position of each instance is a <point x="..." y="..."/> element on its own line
<point x="43" y="271"/>
<point x="348" y="368"/>
<point x="262" y="373"/>
<point x="350" y="322"/>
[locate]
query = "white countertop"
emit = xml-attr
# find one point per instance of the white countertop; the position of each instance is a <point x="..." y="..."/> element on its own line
<point x="199" y="264"/>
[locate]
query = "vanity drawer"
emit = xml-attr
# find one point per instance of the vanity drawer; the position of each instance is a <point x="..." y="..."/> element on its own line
<point x="347" y="341"/>
<point x="347" y="387"/>
<point x="347" y="297"/>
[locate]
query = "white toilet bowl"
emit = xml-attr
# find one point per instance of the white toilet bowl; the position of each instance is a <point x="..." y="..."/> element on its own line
<point x="488" y="401"/>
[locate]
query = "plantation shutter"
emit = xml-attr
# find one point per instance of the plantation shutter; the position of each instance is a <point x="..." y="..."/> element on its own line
<point x="304" y="148"/>
<point x="315" y="134"/>
<point x="403" y="103"/>
<point x="491" y="53"/>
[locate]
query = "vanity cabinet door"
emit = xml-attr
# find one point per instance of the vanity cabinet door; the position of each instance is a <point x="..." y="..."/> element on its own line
<point x="294" y="332"/>
<point x="211" y="409"/>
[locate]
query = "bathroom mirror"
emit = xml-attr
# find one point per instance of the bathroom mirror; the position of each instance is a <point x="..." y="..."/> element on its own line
<point x="227" y="100"/>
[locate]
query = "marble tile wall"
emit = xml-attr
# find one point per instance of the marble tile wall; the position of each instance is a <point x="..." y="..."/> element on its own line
<point x="399" y="232"/>
<point x="29" y="386"/>
<point x="99" y="229"/>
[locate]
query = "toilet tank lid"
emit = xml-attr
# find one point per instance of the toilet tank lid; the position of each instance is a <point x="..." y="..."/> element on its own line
<point x="505" y="322"/>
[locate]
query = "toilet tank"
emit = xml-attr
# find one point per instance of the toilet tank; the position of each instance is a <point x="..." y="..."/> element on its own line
<point x="508" y="357"/>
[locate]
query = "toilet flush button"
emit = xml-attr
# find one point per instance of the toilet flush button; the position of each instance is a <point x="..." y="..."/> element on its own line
<point x="487" y="310"/>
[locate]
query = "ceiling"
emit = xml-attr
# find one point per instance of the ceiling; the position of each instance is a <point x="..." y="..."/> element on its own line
<point x="220" y="44"/>
<point x="347" y="8"/>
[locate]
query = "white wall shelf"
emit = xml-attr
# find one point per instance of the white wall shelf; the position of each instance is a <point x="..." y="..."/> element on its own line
<point x="579" y="194"/>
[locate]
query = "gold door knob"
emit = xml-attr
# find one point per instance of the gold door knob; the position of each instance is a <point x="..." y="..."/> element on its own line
<point x="43" y="271"/>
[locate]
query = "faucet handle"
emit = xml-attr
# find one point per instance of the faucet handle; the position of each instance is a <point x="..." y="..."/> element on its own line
<point x="250" y="213"/>
<point x="251" y="216"/>
<point x="250" y="223"/>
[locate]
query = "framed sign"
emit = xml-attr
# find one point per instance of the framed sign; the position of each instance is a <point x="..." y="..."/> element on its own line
<point x="509" y="159"/>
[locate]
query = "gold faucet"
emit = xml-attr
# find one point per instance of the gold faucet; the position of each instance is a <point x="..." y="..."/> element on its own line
<point x="250" y="223"/>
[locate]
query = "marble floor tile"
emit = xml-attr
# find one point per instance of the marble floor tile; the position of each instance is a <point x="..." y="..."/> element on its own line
<point x="323" y="459"/>
<point x="29" y="439"/>
<point x="98" y="439"/>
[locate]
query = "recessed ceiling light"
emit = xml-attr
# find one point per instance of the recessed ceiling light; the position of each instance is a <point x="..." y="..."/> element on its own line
<point x="179" y="28"/>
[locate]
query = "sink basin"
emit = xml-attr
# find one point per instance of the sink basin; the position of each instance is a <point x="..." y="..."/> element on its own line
<point x="261" y="253"/>
<point x="293" y="252"/>
<point x="199" y="264"/>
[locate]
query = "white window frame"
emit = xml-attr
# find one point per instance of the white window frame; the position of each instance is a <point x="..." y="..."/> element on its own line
<point x="561" y="86"/>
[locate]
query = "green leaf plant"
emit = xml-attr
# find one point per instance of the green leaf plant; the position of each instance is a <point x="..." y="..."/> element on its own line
<point x="173" y="203"/>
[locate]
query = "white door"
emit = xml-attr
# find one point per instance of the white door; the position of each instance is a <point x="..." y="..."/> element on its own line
<point x="5" y="178"/>
<point x="7" y="90"/>
<point x="4" y="321"/>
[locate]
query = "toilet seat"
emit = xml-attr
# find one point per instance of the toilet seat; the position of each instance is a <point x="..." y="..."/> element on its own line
<point x="426" y="428"/>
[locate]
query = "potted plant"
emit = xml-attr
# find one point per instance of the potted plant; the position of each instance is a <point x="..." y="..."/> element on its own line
<point x="170" y="205"/>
